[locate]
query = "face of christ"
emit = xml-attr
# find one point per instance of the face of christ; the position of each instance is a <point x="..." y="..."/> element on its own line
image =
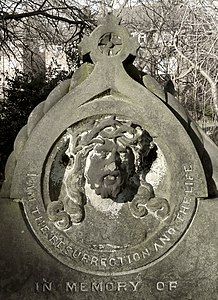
<point x="110" y="166"/>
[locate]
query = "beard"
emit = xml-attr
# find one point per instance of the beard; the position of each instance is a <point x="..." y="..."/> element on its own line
<point x="108" y="185"/>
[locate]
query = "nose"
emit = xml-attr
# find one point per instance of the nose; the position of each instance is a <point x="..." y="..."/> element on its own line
<point x="111" y="166"/>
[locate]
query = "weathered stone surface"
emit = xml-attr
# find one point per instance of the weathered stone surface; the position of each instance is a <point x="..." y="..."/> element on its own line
<point x="81" y="74"/>
<point x="60" y="91"/>
<point x="110" y="178"/>
<point x="152" y="85"/>
<point x="187" y="272"/>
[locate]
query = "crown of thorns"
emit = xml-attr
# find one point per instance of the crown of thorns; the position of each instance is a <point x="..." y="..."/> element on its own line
<point x="109" y="128"/>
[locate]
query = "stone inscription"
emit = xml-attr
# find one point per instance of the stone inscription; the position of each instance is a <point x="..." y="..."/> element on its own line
<point x="102" y="286"/>
<point x="188" y="190"/>
<point x="166" y="286"/>
<point x="104" y="261"/>
<point x="114" y="191"/>
<point x="77" y="254"/>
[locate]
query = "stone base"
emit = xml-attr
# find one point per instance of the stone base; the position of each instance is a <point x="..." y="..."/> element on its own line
<point x="187" y="272"/>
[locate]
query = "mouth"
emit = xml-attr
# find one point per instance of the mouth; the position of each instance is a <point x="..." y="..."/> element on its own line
<point x="111" y="178"/>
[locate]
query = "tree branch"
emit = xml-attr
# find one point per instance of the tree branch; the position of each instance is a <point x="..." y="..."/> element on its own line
<point x="17" y="17"/>
<point x="213" y="84"/>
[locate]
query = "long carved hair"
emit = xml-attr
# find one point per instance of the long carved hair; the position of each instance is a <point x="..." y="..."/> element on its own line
<point x="122" y="132"/>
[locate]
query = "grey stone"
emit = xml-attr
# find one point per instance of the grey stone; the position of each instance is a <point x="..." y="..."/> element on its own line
<point x="57" y="93"/>
<point x="152" y="85"/>
<point x="187" y="272"/>
<point x="9" y="172"/>
<point x="35" y="117"/>
<point x="111" y="177"/>
<point x="81" y="74"/>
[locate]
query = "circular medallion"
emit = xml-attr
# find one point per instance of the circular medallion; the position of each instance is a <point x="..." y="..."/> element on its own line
<point x="110" y="44"/>
<point x="110" y="200"/>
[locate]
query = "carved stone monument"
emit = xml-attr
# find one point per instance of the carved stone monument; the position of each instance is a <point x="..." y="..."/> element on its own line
<point x="109" y="184"/>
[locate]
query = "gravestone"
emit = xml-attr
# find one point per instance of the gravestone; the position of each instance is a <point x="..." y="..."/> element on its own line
<point x="110" y="186"/>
